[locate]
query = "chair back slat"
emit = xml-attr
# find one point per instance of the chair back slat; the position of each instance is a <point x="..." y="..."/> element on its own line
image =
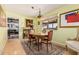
<point x="50" y="34"/>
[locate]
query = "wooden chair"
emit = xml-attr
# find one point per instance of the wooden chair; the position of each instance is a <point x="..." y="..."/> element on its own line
<point x="48" y="39"/>
<point x="31" y="38"/>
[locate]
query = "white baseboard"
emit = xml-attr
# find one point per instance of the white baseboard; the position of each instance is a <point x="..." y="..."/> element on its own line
<point x="59" y="44"/>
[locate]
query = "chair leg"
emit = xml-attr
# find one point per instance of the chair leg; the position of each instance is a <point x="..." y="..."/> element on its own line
<point x="47" y="46"/>
<point x="66" y="48"/>
<point x="38" y="44"/>
<point x="41" y="44"/>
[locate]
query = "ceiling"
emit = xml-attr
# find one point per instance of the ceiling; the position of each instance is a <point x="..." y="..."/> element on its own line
<point x="26" y="9"/>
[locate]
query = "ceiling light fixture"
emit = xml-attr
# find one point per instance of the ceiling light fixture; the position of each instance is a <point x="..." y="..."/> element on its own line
<point x="39" y="15"/>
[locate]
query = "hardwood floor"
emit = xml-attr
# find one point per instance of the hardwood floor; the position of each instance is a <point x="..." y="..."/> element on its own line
<point x="13" y="47"/>
<point x="67" y="53"/>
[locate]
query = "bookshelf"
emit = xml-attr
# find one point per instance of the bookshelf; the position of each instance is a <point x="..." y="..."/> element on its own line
<point x="13" y="28"/>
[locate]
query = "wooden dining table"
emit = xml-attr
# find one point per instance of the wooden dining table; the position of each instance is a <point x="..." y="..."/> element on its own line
<point x="38" y="38"/>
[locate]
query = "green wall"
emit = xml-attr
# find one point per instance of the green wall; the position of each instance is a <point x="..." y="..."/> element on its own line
<point x="62" y="34"/>
<point x="37" y="27"/>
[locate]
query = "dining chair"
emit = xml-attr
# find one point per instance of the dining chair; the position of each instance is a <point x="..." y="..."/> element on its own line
<point x="48" y="39"/>
<point x="32" y="38"/>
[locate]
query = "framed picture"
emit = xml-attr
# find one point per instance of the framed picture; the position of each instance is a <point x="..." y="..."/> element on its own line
<point x="29" y="22"/>
<point x="2" y="20"/>
<point x="69" y="19"/>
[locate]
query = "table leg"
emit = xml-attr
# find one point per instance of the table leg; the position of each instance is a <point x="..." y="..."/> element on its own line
<point x="38" y="44"/>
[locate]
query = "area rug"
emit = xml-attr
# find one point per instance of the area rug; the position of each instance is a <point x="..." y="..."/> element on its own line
<point x="56" y="50"/>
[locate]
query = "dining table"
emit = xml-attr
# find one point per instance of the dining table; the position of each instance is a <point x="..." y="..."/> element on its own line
<point x="38" y="37"/>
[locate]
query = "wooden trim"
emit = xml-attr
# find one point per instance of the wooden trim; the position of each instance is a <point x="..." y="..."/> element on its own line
<point x="59" y="44"/>
<point x="70" y="11"/>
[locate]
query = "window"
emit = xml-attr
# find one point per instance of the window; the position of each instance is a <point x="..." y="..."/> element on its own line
<point x="52" y="25"/>
<point x="49" y="25"/>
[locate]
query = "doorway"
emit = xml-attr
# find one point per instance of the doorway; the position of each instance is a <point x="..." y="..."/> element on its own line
<point x="13" y="28"/>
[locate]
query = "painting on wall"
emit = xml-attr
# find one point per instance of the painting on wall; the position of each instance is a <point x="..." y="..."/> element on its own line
<point x="29" y="23"/>
<point x="2" y="17"/>
<point x="69" y="19"/>
<point x="2" y="20"/>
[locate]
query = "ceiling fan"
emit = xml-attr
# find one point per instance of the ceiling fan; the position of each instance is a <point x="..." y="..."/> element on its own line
<point x="39" y="15"/>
